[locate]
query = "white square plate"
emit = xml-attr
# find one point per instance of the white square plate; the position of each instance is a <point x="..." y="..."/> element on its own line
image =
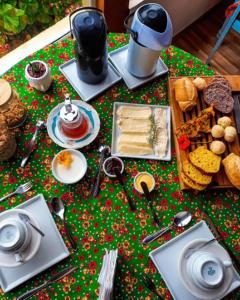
<point x="166" y="259"/>
<point x="88" y="91"/>
<point x="52" y="249"/>
<point x="119" y="57"/>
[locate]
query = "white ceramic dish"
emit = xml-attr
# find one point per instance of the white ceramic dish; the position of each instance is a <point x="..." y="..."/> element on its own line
<point x="119" y="59"/>
<point x="116" y="132"/>
<point x="64" y="142"/>
<point x="142" y="173"/>
<point x="166" y="259"/>
<point x="88" y="91"/>
<point x="8" y="260"/>
<point x="51" y="251"/>
<point x="205" y="294"/>
<point x="72" y="174"/>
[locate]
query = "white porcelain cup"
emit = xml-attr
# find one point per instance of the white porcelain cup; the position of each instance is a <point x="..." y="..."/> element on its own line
<point x="15" y="237"/>
<point x="206" y="270"/>
<point x="41" y="83"/>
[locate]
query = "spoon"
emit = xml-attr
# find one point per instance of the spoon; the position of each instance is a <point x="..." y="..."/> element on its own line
<point x="149" y="200"/>
<point x="26" y="219"/>
<point x="40" y="124"/>
<point x="181" y="219"/>
<point x="103" y="150"/>
<point x="59" y="210"/>
<point x="120" y="179"/>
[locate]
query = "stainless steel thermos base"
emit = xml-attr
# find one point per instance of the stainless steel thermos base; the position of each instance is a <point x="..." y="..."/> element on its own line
<point x="141" y="61"/>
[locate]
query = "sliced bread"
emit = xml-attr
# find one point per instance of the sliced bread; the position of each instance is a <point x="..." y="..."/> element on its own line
<point x="192" y="184"/>
<point x="195" y="174"/>
<point x="205" y="160"/>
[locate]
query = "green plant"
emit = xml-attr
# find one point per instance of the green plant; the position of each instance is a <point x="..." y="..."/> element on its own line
<point x="16" y="15"/>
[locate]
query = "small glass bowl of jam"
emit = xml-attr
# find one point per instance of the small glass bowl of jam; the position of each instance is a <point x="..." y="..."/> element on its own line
<point x="110" y="164"/>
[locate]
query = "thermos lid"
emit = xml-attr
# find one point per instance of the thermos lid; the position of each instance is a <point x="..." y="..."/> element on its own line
<point x="88" y="27"/>
<point x="152" y="26"/>
<point x="69" y="111"/>
<point x="153" y="16"/>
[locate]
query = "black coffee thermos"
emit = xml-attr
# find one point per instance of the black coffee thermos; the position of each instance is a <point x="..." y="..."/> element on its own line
<point x="90" y="31"/>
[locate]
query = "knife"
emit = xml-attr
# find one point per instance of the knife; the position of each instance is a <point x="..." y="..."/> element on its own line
<point x="53" y="279"/>
<point x="222" y="241"/>
<point x="236" y="108"/>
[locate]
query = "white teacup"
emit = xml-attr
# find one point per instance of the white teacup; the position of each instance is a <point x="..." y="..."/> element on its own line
<point x="15" y="237"/>
<point x="206" y="270"/>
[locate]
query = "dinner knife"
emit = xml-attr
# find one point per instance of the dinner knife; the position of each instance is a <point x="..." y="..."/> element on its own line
<point x="53" y="279"/>
<point x="236" y="108"/>
<point x="222" y="241"/>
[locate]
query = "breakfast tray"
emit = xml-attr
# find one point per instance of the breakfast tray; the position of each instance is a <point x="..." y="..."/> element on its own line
<point x="220" y="179"/>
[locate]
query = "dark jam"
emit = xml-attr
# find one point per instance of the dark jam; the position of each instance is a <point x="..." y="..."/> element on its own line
<point x="76" y="132"/>
<point x="111" y="164"/>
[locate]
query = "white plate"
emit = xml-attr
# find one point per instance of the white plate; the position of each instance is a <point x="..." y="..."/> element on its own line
<point x="119" y="58"/>
<point x="85" y="90"/>
<point x="75" y="172"/>
<point x="166" y="260"/>
<point x="116" y="132"/>
<point x="221" y="253"/>
<point x="8" y="260"/>
<point x="60" y="139"/>
<point x="52" y="248"/>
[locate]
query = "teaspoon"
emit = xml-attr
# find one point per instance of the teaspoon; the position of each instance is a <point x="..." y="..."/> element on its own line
<point x="103" y="150"/>
<point x="181" y="219"/>
<point x="59" y="210"/>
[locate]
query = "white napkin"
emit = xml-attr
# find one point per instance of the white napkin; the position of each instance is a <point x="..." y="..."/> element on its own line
<point x="107" y="273"/>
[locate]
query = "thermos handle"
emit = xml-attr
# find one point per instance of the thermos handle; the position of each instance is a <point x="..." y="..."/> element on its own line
<point x="78" y="9"/>
<point x="134" y="34"/>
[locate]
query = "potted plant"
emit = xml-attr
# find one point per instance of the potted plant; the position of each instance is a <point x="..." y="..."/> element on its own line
<point x="38" y="75"/>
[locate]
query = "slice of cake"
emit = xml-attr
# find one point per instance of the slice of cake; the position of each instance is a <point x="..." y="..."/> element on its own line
<point x="195" y="174"/>
<point x="205" y="160"/>
<point x="192" y="184"/>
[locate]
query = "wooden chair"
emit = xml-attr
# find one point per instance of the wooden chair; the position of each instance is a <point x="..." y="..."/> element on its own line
<point x="229" y="23"/>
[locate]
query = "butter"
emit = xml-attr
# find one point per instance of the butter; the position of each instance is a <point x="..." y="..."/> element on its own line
<point x="147" y="178"/>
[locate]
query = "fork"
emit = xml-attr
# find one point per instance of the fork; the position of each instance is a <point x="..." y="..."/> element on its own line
<point x="20" y="190"/>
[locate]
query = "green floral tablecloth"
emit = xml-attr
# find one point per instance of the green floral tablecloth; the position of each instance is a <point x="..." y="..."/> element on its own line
<point x="106" y="222"/>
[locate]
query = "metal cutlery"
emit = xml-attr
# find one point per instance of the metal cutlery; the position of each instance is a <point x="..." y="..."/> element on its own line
<point x="26" y="219"/>
<point x="53" y="279"/>
<point x="120" y="179"/>
<point x="103" y="150"/>
<point x="193" y="249"/>
<point x="40" y="124"/>
<point x="20" y="190"/>
<point x="59" y="210"/>
<point x="149" y="201"/>
<point x="181" y="219"/>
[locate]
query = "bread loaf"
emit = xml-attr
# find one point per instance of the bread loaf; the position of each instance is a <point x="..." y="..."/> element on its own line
<point x="232" y="169"/>
<point x="185" y="93"/>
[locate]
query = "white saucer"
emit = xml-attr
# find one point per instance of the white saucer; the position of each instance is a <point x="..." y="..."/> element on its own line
<point x="75" y="172"/>
<point x="205" y="294"/>
<point x="56" y="135"/>
<point x="8" y="260"/>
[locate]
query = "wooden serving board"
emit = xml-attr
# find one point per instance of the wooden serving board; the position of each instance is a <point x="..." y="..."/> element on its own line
<point x="220" y="179"/>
